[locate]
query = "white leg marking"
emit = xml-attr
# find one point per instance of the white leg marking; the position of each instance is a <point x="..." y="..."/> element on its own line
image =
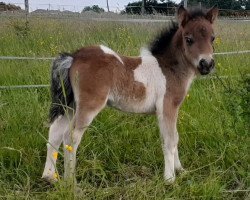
<point x="56" y="132"/>
<point x="177" y="163"/>
<point x="70" y="153"/>
<point x="167" y="124"/>
<point x="110" y="51"/>
<point x="169" y="147"/>
<point x="73" y="140"/>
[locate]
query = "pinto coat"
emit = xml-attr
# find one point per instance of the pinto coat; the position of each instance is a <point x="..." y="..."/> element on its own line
<point x="157" y="81"/>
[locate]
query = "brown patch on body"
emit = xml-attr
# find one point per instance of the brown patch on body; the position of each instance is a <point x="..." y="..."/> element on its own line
<point x="94" y="75"/>
<point x="124" y="84"/>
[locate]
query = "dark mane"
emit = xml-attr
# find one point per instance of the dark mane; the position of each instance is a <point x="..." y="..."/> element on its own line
<point x="196" y="13"/>
<point x="162" y="41"/>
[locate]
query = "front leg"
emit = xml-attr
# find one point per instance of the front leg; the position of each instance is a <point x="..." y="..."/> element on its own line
<point x="167" y="114"/>
<point x="177" y="163"/>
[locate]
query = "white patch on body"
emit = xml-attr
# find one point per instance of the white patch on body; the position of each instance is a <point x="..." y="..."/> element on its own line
<point x="145" y="52"/>
<point x="150" y="75"/>
<point x="111" y="52"/>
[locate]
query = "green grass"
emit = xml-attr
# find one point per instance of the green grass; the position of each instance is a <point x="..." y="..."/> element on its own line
<point x="121" y="156"/>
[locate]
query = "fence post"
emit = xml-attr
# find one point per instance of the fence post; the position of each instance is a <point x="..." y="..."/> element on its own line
<point x="143" y="7"/>
<point x="185" y="3"/>
<point x="26" y="3"/>
<point x="108" y="5"/>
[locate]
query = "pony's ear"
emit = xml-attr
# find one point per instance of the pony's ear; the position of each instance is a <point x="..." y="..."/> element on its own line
<point x="182" y="15"/>
<point x="212" y="14"/>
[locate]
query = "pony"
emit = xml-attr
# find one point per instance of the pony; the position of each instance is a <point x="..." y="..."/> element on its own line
<point x="157" y="81"/>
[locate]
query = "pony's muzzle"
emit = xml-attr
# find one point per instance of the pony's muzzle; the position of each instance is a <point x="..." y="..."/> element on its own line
<point x="205" y="66"/>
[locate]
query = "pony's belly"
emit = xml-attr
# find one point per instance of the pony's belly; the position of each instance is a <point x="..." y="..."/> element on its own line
<point x="132" y="106"/>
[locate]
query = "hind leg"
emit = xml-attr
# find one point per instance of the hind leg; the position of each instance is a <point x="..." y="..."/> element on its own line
<point x="86" y="111"/>
<point x="57" y="129"/>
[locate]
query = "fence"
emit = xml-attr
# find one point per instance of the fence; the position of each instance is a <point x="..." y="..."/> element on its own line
<point x="52" y="58"/>
<point x="170" y="11"/>
<point x="114" y="6"/>
<point x="107" y="19"/>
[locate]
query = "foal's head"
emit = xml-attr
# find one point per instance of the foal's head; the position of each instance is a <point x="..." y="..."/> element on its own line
<point x="198" y="36"/>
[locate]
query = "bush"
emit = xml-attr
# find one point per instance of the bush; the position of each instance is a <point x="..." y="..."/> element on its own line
<point x="94" y="8"/>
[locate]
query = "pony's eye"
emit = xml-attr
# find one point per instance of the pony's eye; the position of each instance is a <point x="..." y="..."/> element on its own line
<point x="212" y="39"/>
<point x="189" y="41"/>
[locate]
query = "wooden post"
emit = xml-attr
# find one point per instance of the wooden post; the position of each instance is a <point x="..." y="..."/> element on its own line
<point x="108" y="5"/>
<point x="143" y="7"/>
<point x="26" y="3"/>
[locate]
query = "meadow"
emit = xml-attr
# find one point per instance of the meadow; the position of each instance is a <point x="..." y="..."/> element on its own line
<point x="120" y="156"/>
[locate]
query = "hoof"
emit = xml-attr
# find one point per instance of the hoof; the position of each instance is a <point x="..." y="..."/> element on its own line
<point x="169" y="179"/>
<point x="50" y="179"/>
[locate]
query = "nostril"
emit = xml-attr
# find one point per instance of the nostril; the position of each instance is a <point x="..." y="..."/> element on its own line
<point x="202" y="63"/>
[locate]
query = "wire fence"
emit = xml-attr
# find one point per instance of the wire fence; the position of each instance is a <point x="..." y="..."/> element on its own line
<point x="10" y="87"/>
<point x="62" y="8"/>
<point x="13" y="87"/>
<point x="52" y="58"/>
<point x="25" y="58"/>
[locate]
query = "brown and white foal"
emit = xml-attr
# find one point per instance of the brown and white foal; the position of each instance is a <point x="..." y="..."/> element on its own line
<point x="157" y="81"/>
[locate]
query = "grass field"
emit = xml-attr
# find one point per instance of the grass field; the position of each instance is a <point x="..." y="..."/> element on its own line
<point x="121" y="156"/>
